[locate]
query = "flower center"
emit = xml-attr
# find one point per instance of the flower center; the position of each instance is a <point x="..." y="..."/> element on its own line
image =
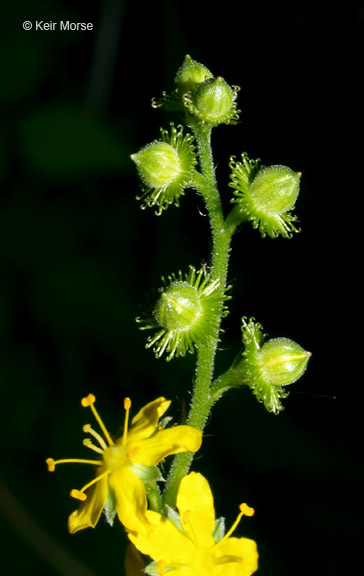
<point x="206" y="558"/>
<point x="112" y="456"/>
<point x="203" y="561"/>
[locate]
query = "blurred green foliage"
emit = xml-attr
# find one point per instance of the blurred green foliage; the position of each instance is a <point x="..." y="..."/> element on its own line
<point x="77" y="256"/>
<point x="63" y="142"/>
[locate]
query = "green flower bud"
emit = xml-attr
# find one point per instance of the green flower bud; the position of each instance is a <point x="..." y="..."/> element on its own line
<point x="158" y="164"/>
<point x="271" y="366"/>
<point x="186" y="315"/>
<point x="265" y="196"/>
<point x="190" y="75"/>
<point x="282" y="361"/>
<point x="214" y="102"/>
<point x="166" y="168"/>
<point x="207" y="99"/>
<point x="178" y="307"/>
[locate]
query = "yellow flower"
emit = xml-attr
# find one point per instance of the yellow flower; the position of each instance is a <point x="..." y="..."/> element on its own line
<point x="126" y="464"/>
<point x="192" y="543"/>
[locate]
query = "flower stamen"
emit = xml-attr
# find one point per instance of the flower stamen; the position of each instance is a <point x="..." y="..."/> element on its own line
<point x="90" y="401"/>
<point x="192" y="533"/>
<point x="88" y="442"/>
<point x="127" y="406"/>
<point x="52" y="463"/>
<point x="88" y="430"/>
<point x="80" y="494"/>
<point x="161" y="567"/>
<point x="133" y="453"/>
<point x="245" y="510"/>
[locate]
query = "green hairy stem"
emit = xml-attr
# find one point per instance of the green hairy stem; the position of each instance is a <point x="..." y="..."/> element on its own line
<point x="201" y="404"/>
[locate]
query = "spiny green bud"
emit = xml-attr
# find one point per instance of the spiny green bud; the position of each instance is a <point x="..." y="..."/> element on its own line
<point x="214" y="102"/>
<point x="205" y="98"/>
<point x="158" y="164"/>
<point x="271" y="366"/>
<point x="179" y="307"/>
<point x="186" y="315"/>
<point x="166" y="168"/>
<point x="265" y="196"/>
<point x="282" y="361"/>
<point x="190" y="75"/>
<point x="275" y="189"/>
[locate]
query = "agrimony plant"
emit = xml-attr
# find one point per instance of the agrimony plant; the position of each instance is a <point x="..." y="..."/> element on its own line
<point x="175" y="529"/>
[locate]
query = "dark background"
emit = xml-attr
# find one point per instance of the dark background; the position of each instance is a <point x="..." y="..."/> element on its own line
<point x="78" y="257"/>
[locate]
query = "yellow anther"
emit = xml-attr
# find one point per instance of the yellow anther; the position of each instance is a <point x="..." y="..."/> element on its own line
<point x="88" y="442"/>
<point x="51" y="464"/>
<point x="78" y="495"/>
<point x="186" y="516"/>
<point x="127" y="403"/>
<point x="134" y="452"/>
<point x="246" y="510"/>
<point x="161" y="567"/>
<point x="88" y="401"/>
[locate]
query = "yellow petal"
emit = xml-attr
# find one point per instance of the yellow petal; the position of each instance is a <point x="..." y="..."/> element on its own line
<point x="146" y="421"/>
<point x="130" y="498"/>
<point x="90" y="510"/>
<point x="163" y="541"/>
<point x="169" y="441"/>
<point x="196" y="507"/>
<point x="245" y="552"/>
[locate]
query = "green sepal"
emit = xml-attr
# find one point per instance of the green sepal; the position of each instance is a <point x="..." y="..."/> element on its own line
<point x="169" y="101"/>
<point x="174" y="517"/>
<point x="243" y="173"/>
<point x="163" y="422"/>
<point x="110" y="507"/>
<point x="219" y="529"/>
<point x="154" y="497"/>
<point x="269" y="395"/>
<point x="152" y="569"/>
<point x="146" y="473"/>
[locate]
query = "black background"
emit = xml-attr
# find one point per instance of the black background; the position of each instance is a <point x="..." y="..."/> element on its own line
<point x="78" y="257"/>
